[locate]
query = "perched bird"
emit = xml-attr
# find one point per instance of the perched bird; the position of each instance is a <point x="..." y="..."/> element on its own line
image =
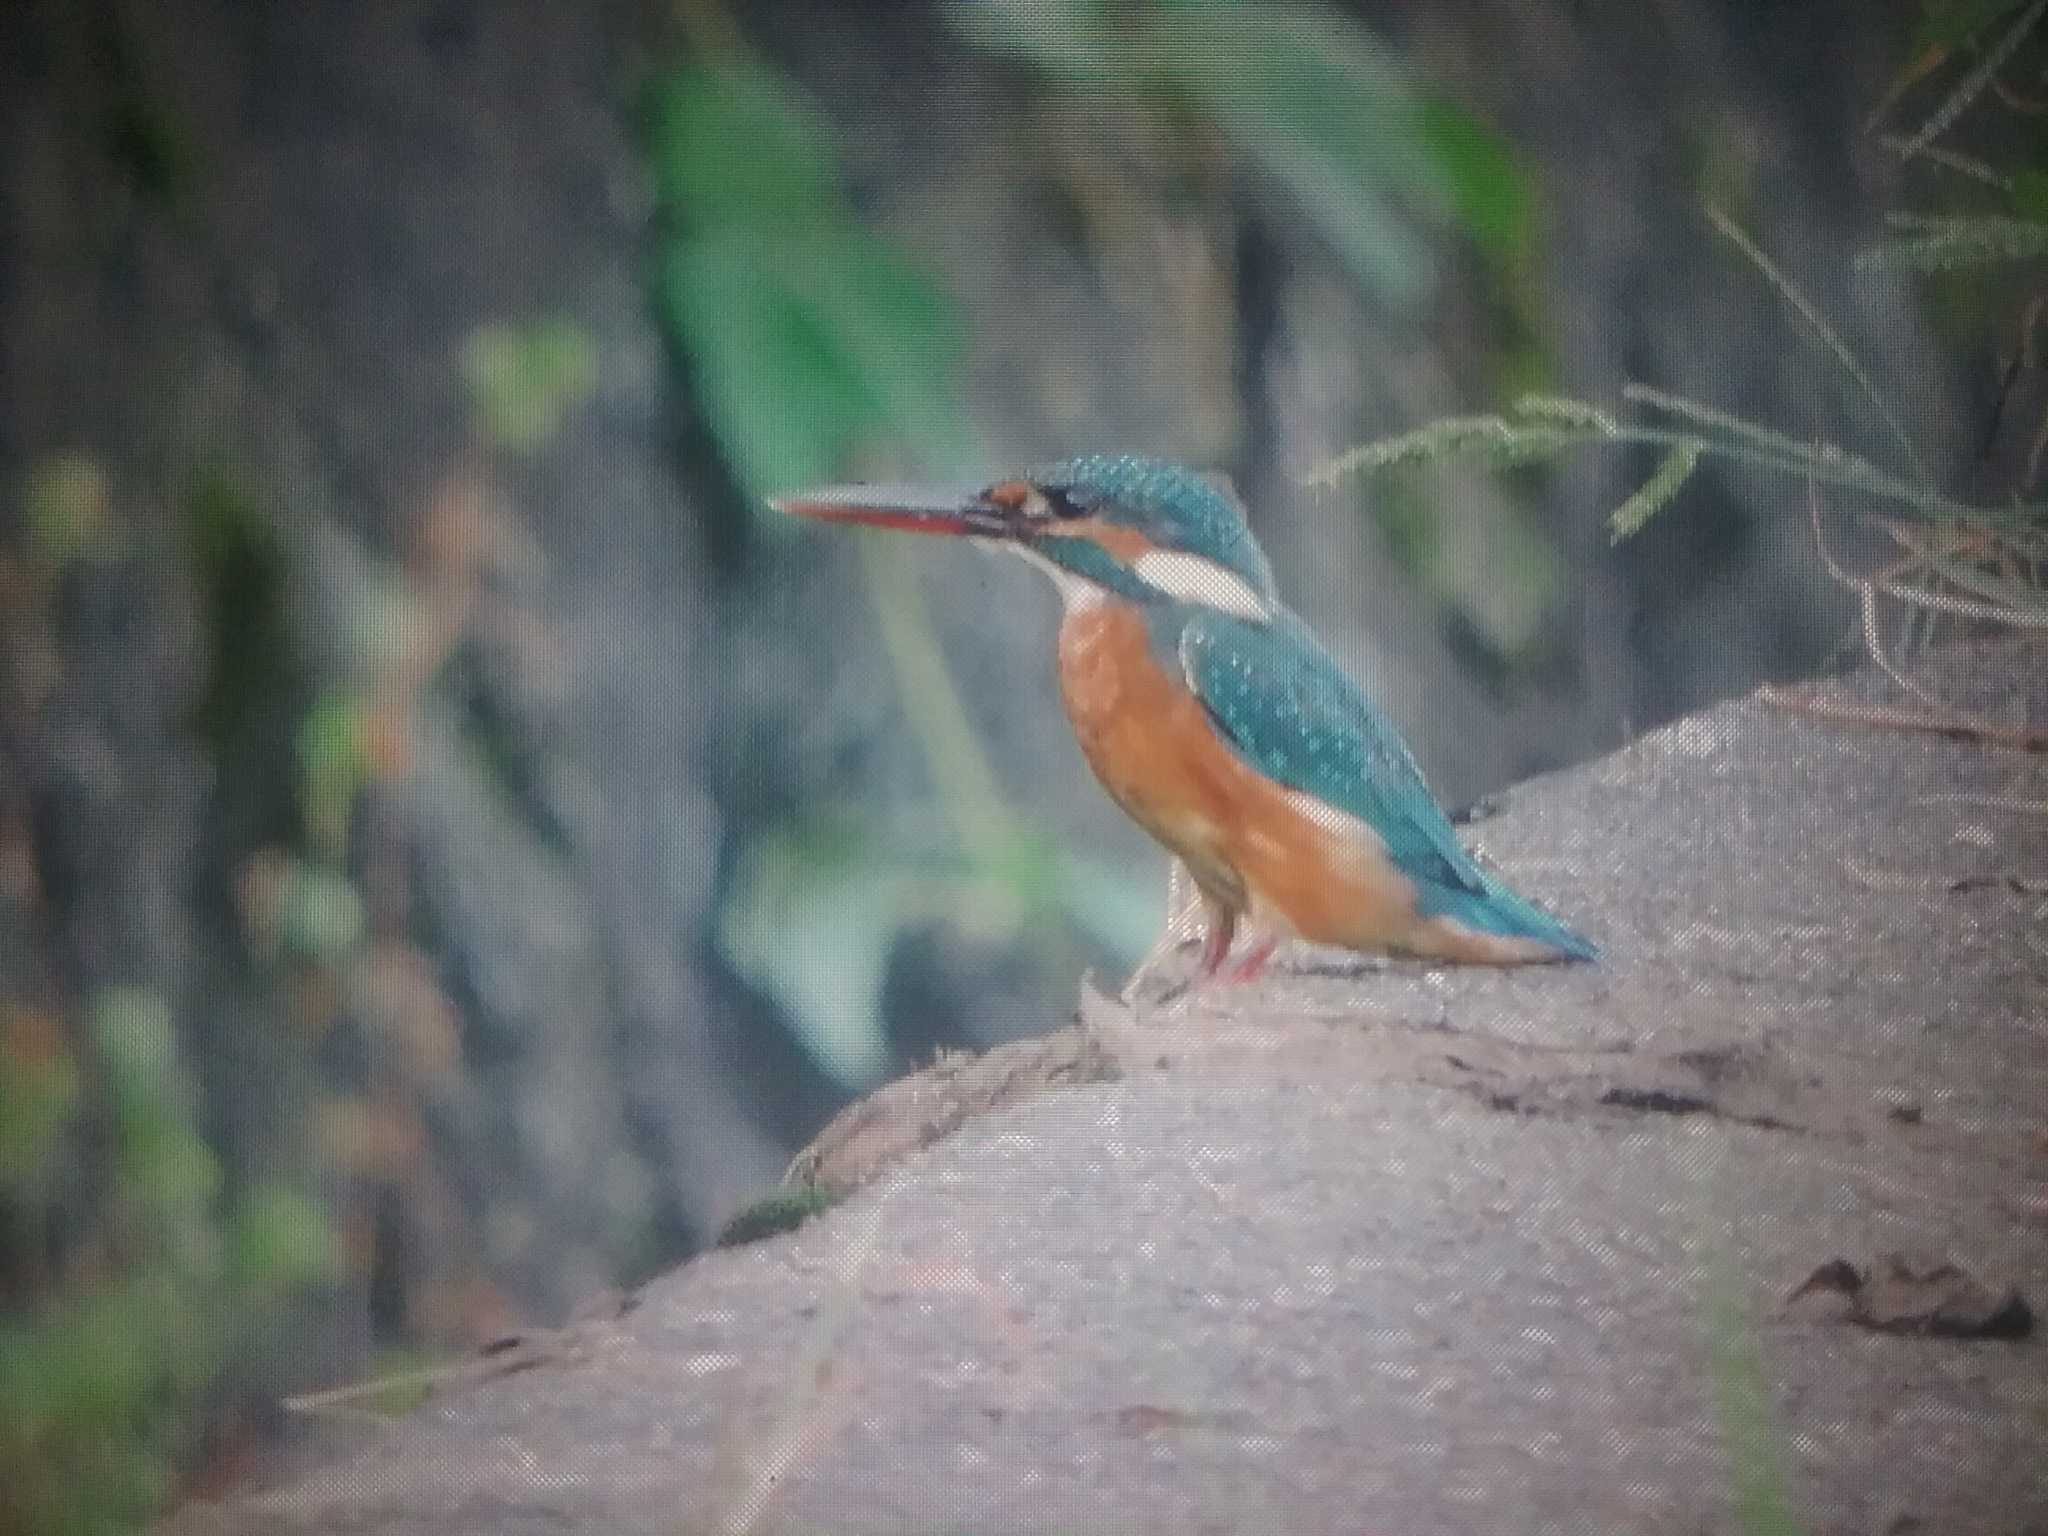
<point x="1214" y="717"/>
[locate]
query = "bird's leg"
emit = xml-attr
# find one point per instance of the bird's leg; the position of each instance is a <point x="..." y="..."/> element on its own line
<point x="1253" y="965"/>
<point x="1182" y="898"/>
<point x="1216" y="943"/>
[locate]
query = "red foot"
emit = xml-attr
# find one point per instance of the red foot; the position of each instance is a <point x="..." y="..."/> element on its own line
<point x="1215" y="945"/>
<point x="1253" y="965"/>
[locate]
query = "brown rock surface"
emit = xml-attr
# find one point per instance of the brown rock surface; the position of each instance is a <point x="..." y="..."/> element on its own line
<point x="1374" y="1249"/>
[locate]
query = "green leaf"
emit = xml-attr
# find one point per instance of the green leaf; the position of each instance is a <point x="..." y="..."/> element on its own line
<point x="806" y="347"/>
<point x="777" y="393"/>
<point x="810" y="339"/>
<point x="732" y="144"/>
<point x="1037" y="882"/>
<point x="815" y="910"/>
<point x="1381" y="249"/>
<point x="812" y="919"/>
<point x="330" y="738"/>
<point x="1489" y="189"/>
<point x="898" y="337"/>
<point x="1323" y="109"/>
<point x="95" y="1390"/>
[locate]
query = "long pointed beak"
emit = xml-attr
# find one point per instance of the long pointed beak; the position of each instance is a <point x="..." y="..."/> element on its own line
<point x="910" y="508"/>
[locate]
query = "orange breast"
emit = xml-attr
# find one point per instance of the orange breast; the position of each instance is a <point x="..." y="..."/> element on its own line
<point x="1251" y="844"/>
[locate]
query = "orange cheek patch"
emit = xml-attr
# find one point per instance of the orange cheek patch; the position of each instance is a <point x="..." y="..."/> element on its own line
<point x="1124" y="545"/>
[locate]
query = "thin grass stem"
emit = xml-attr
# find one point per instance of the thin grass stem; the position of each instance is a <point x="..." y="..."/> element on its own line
<point x="1972" y="85"/>
<point x="1830" y="338"/>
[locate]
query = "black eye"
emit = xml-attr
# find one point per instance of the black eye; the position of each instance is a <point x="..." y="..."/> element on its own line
<point x="1063" y="503"/>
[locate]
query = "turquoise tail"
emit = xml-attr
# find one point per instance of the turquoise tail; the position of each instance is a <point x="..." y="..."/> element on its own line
<point x="1499" y="910"/>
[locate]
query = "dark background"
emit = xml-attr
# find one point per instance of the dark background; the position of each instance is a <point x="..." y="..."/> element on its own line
<point x="455" y="843"/>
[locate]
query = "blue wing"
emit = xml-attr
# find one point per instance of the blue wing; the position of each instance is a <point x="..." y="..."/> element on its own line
<point x="1294" y="715"/>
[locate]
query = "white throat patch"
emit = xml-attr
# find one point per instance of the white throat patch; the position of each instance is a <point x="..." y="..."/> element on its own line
<point x="1172" y="572"/>
<point x="1077" y="593"/>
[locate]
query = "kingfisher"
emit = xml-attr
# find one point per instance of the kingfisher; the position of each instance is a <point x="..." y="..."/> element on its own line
<point x="1219" y="723"/>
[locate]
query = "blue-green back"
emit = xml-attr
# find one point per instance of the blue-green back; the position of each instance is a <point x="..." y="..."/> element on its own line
<point x="1294" y="715"/>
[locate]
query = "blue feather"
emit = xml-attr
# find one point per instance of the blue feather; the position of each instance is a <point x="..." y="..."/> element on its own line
<point x="1293" y="714"/>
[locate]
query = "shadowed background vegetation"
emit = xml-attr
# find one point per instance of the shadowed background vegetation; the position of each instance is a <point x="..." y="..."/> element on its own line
<point x="456" y="842"/>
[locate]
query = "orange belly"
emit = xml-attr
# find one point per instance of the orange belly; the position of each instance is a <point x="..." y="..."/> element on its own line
<point x="1253" y="846"/>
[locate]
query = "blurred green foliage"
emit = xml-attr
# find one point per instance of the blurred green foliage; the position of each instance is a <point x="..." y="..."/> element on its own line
<point x="1492" y="193"/>
<point x="812" y="920"/>
<point x="139" y="1271"/>
<point x="103" y="1374"/>
<point x="1750" y="1433"/>
<point x="320" y="914"/>
<point x="66" y="500"/>
<point x="817" y="906"/>
<point x="1499" y="574"/>
<point x="334" y="766"/>
<point x="237" y="562"/>
<point x="145" y="134"/>
<point x="39" y="1089"/>
<point x="1313" y="102"/>
<point x="524" y="380"/>
<point x="812" y="340"/>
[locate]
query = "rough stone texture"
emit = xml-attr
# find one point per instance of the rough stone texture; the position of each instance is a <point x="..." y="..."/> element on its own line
<point x="1384" y="1249"/>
